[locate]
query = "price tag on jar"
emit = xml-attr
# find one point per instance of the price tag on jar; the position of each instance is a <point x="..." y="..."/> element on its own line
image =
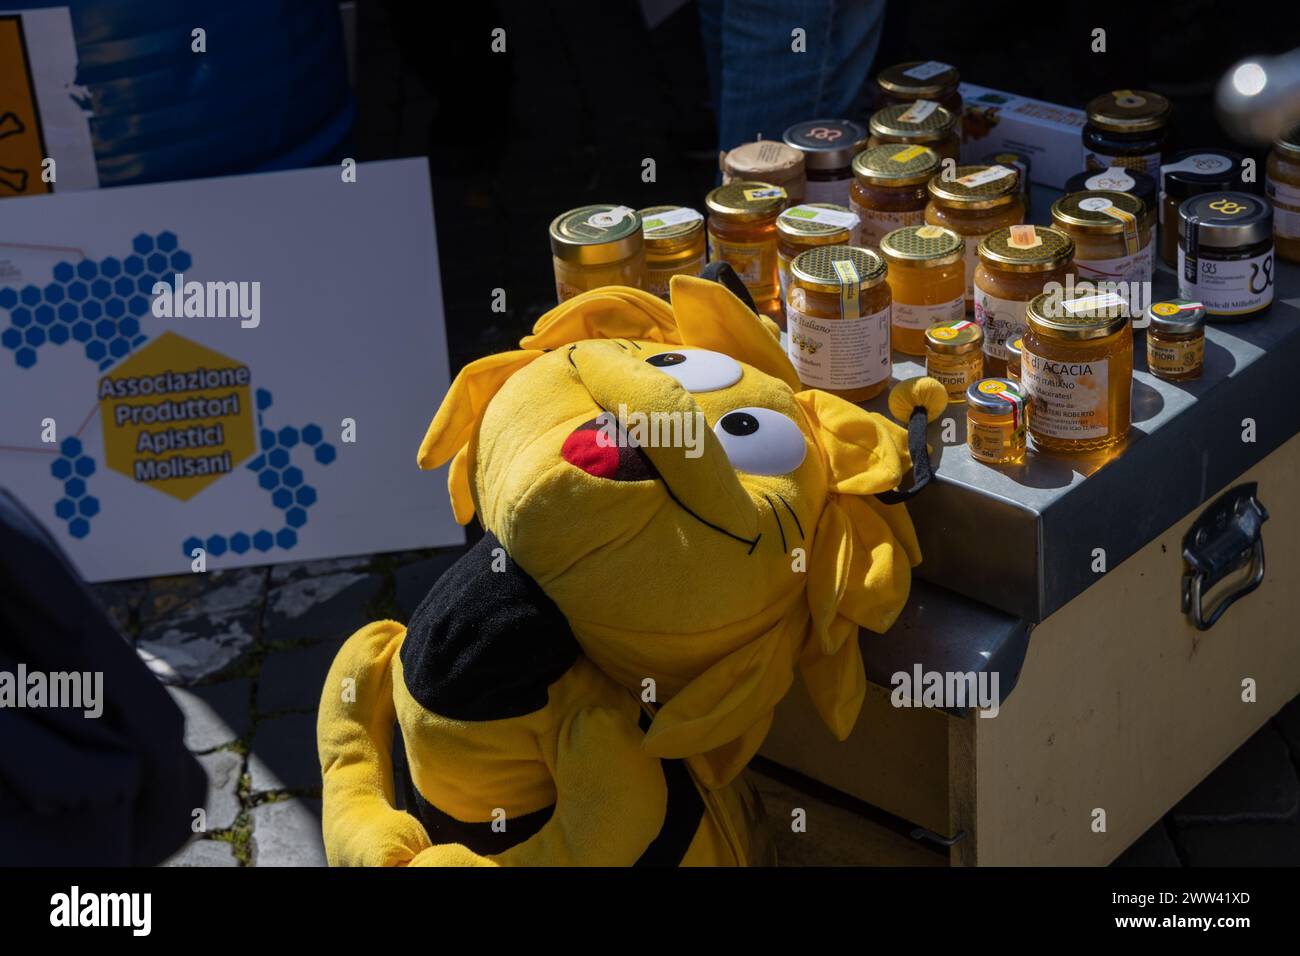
<point x="989" y="175"/>
<point x="926" y="70"/>
<point x="918" y="111"/>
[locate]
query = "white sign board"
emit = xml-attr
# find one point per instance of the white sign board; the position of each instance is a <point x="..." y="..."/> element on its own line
<point x="274" y="416"/>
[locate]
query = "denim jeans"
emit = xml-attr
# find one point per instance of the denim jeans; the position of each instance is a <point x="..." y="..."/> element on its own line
<point x="760" y="86"/>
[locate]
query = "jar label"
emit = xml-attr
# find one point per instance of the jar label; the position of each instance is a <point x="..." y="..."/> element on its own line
<point x="669" y="217"/>
<point x="840" y="219"/>
<point x="923" y="71"/>
<point x="1131" y="268"/>
<point x="875" y="224"/>
<point x="657" y="280"/>
<point x="1001" y="319"/>
<point x="1067" y="400"/>
<point x="918" y="111"/>
<point x="1175" y="356"/>
<point x="955" y="377"/>
<point x="972" y="260"/>
<point x="1114" y="178"/>
<point x="990" y="174"/>
<point x="1148" y="163"/>
<point x="994" y="442"/>
<point x="921" y="317"/>
<point x="834" y="191"/>
<point x="753" y="261"/>
<point x="1227" y="287"/>
<point x="1286" y="221"/>
<point x="839" y="354"/>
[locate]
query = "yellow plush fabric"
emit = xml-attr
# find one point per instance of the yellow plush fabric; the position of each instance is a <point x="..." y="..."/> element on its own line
<point x="920" y="392"/>
<point x="700" y="590"/>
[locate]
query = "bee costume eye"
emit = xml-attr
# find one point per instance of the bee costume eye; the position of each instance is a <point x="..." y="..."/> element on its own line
<point x="698" y="370"/>
<point x="761" y="441"/>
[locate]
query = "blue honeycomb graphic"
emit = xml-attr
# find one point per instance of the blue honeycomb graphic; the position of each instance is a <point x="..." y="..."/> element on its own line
<point x="71" y="469"/>
<point x="97" y="304"/>
<point x="278" y="475"/>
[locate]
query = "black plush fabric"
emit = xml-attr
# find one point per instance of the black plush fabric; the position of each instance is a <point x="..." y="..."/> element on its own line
<point x="115" y="790"/>
<point x="485" y="644"/>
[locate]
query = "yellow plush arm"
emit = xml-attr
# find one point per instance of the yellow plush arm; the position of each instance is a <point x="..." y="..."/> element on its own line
<point x="609" y="805"/>
<point x="354" y="735"/>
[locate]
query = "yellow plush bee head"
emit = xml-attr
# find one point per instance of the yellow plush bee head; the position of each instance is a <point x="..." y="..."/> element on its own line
<point x="704" y="524"/>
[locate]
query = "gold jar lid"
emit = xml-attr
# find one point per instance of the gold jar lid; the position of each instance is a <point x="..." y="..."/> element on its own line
<point x="1026" y="249"/>
<point x="596" y="235"/>
<point x="923" y="247"/>
<point x="1288" y="144"/>
<point x="919" y="79"/>
<point x="1128" y="111"/>
<point x="954" y="337"/>
<point x="817" y="269"/>
<point x="895" y="164"/>
<point x="819" y="220"/>
<point x="976" y="187"/>
<point x="766" y="160"/>
<point x="1086" y="315"/>
<point x="746" y="200"/>
<point x="1084" y="212"/>
<point x="667" y="228"/>
<point x="937" y="123"/>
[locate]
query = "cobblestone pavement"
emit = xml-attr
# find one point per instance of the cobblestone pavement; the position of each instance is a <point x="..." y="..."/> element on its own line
<point x="245" y="654"/>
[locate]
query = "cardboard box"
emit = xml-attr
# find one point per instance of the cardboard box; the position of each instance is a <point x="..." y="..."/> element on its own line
<point x="1050" y="135"/>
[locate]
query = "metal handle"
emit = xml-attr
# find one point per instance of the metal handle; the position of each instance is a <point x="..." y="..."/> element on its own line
<point x="1227" y="537"/>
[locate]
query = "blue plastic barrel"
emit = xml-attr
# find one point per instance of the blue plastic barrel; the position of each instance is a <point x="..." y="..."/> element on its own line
<point x="271" y="92"/>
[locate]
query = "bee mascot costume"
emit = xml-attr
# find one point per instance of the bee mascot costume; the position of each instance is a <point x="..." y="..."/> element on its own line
<point x="585" y="685"/>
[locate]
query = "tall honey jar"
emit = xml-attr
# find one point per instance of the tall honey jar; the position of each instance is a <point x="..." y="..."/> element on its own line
<point x="1192" y="173"/>
<point x="828" y="147"/>
<point x="927" y="280"/>
<point x="1016" y="264"/>
<point x="1077" y="370"/>
<point x="921" y="123"/>
<point x="806" y="226"/>
<point x="742" y="233"/>
<point x="837" y="321"/>
<point x="1114" y="239"/>
<point x="920" y="80"/>
<point x="674" y="245"/>
<point x="1126" y="128"/>
<point x="978" y="200"/>
<point x="595" y="246"/>
<point x="1282" y="184"/>
<point x="889" y="191"/>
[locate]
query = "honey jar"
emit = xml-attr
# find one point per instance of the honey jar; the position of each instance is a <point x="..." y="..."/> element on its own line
<point x="674" y="245"/>
<point x="807" y="226"/>
<point x="1192" y="173"/>
<point x="1077" y="372"/>
<point x="920" y="80"/>
<point x="828" y="147"/>
<point x="1282" y="184"/>
<point x="742" y="233"/>
<point x="1113" y="239"/>
<point x="978" y="200"/>
<point x="888" y="189"/>
<point x="1126" y="128"/>
<point x="1020" y="162"/>
<point x="954" y="356"/>
<point x="837" y="321"/>
<point x="1225" y="253"/>
<point x="1014" y="349"/>
<point x="1016" y="264"/>
<point x="767" y="161"/>
<point x="927" y="280"/>
<point x="1176" y="340"/>
<point x="595" y="246"/>
<point x="995" y="421"/>
<point x="920" y="123"/>
<point x="1117" y="179"/>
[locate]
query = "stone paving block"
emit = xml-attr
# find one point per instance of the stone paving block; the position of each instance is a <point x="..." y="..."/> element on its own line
<point x="414" y="580"/>
<point x="204" y="853"/>
<point x="284" y="754"/>
<point x="189" y="639"/>
<point x="314" y="569"/>
<point x="292" y="679"/>
<point x="1153" y="848"/>
<point x="1242" y="844"/>
<point x="320" y="608"/>
<point x="1288" y="724"/>
<point x="215" y="714"/>
<point x="287" y="833"/>
<point x="223" y="769"/>
<point x="1257" y="783"/>
<point x="121" y="600"/>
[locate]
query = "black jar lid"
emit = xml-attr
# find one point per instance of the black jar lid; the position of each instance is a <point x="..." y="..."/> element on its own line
<point x="1226" y="220"/>
<point x="827" y="143"/>
<point x="1196" y="171"/>
<point x="1119" y="179"/>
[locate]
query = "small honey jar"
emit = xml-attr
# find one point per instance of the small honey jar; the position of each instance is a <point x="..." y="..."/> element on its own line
<point x="1126" y="128"/>
<point x="1014" y="348"/>
<point x="954" y="356"/>
<point x="976" y="201"/>
<point x="828" y="147"/>
<point x="595" y="246"/>
<point x="921" y="123"/>
<point x="807" y="226"/>
<point x="927" y="279"/>
<point x="674" y="245"/>
<point x="995" y="421"/>
<point x="837" y="321"/>
<point x="767" y="161"/>
<point x="742" y="233"/>
<point x="1176" y="340"/>
<point x="921" y="80"/>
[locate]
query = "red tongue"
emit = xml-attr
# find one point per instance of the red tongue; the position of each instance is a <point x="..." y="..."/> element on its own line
<point x="584" y="450"/>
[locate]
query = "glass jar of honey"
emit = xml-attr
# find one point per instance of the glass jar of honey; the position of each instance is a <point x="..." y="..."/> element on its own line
<point x="1117" y="179"/>
<point x="1282" y="183"/>
<point x="1225" y="254"/>
<point x="921" y="123"/>
<point x="927" y="280"/>
<point x="1176" y="340"/>
<point x="1077" y="372"/>
<point x="742" y="233"/>
<point x="674" y="245"/>
<point x="1112" y="233"/>
<point x="807" y="226"/>
<point x="1014" y="349"/>
<point x="1020" y="162"/>
<point x="1126" y="128"/>
<point x="995" y="421"/>
<point x="954" y="356"/>
<point x="1016" y="264"/>
<point x="920" y="80"/>
<point x="1193" y="173"/>
<point x="838" y="321"/>
<point x="828" y="147"/>
<point x="767" y="161"/>
<point x="889" y="189"/>
<point x="977" y="201"/>
<point x="595" y="246"/>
